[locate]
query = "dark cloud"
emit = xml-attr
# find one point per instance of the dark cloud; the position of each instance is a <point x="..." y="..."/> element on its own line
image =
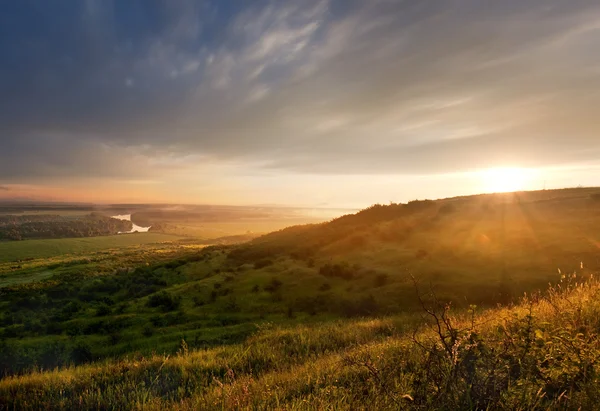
<point x="99" y="88"/>
<point x="2" y="188"/>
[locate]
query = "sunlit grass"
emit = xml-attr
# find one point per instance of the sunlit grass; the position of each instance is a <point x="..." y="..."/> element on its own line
<point x="363" y="364"/>
<point x="266" y="327"/>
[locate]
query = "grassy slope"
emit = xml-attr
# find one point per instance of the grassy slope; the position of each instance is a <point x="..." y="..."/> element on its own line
<point x="483" y="250"/>
<point x="541" y="354"/>
<point x="486" y="248"/>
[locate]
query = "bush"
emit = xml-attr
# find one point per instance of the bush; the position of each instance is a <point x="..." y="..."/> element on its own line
<point x="274" y="285"/>
<point x="314" y="305"/>
<point x="165" y="300"/>
<point x="94" y="327"/>
<point x="337" y="270"/>
<point x="81" y="353"/>
<point x="121" y="308"/>
<point x="265" y="262"/>
<point x="364" y="306"/>
<point x="103" y="310"/>
<point x="232" y="305"/>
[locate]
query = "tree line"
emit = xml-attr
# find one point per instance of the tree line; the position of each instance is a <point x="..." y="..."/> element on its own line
<point x="25" y="227"/>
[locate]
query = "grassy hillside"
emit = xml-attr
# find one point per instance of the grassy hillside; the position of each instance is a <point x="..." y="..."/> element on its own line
<point x="134" y="302"/>
<point x="541" y="354"/>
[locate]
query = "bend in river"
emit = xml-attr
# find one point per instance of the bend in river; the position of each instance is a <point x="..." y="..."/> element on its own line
<point x="135" y="227"/>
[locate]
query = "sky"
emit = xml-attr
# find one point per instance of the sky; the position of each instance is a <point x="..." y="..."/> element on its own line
<point x="339" y="103"/>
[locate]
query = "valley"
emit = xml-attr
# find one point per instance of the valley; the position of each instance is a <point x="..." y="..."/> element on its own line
<point x="129" y="298"/>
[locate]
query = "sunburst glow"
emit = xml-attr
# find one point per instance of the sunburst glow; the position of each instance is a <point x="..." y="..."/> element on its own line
<point x="506" y="179"/>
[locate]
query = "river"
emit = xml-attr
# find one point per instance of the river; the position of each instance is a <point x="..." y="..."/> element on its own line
<point x="127" y="217"/>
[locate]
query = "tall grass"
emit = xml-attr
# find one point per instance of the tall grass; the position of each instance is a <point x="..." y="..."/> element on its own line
<point x="540" y="354"/>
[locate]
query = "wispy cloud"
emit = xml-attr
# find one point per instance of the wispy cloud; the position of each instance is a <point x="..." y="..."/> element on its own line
<point x="307" y="87"/>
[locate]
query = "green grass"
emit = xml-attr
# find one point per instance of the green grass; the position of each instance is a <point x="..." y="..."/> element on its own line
<point x="480" y="250"/>
<point x="24" y="277"/>
<point x="541" y="354"/>
<point x="21" y="250"/>
<point x="81" y="257"/>
<point x="298" y="318"/>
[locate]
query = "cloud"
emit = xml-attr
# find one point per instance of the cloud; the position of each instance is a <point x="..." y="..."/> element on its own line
<point x="99" y="88"/>
<point x="4" y="188"/>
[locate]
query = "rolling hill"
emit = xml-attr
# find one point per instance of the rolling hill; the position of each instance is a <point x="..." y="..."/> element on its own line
<point x="302" y="285"/>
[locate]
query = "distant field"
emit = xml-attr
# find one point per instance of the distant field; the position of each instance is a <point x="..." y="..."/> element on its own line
<point x="20" y="250"/>
<point x="211" y="230"/>
<point x="62" y="213"/>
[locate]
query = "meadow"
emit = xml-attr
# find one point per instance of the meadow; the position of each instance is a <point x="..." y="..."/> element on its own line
<point x="539" y="354"/>
<point x="13" y="251"/>
<point x="333" y="315"/>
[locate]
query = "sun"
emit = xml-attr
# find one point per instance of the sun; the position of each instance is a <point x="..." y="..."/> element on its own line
<point x="506" y="179"/>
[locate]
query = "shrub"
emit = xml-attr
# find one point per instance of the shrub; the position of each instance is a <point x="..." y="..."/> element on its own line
<point x="232" y="305"/>
<point x="313" y="305"/>
<point x="94" y="327"/>
<point x="274" y="285"/>
<point x="362" y="307"/>
<point x="337" y="270"/>
<point x="53" y="328"/>
<point x="71" y="308"/>
<point x="103" y="310"/>
<point x="265" y="262"/>
<point x="81" y="353"/>
<point x="165" y="300"/>
<point x="120" y="309"/>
